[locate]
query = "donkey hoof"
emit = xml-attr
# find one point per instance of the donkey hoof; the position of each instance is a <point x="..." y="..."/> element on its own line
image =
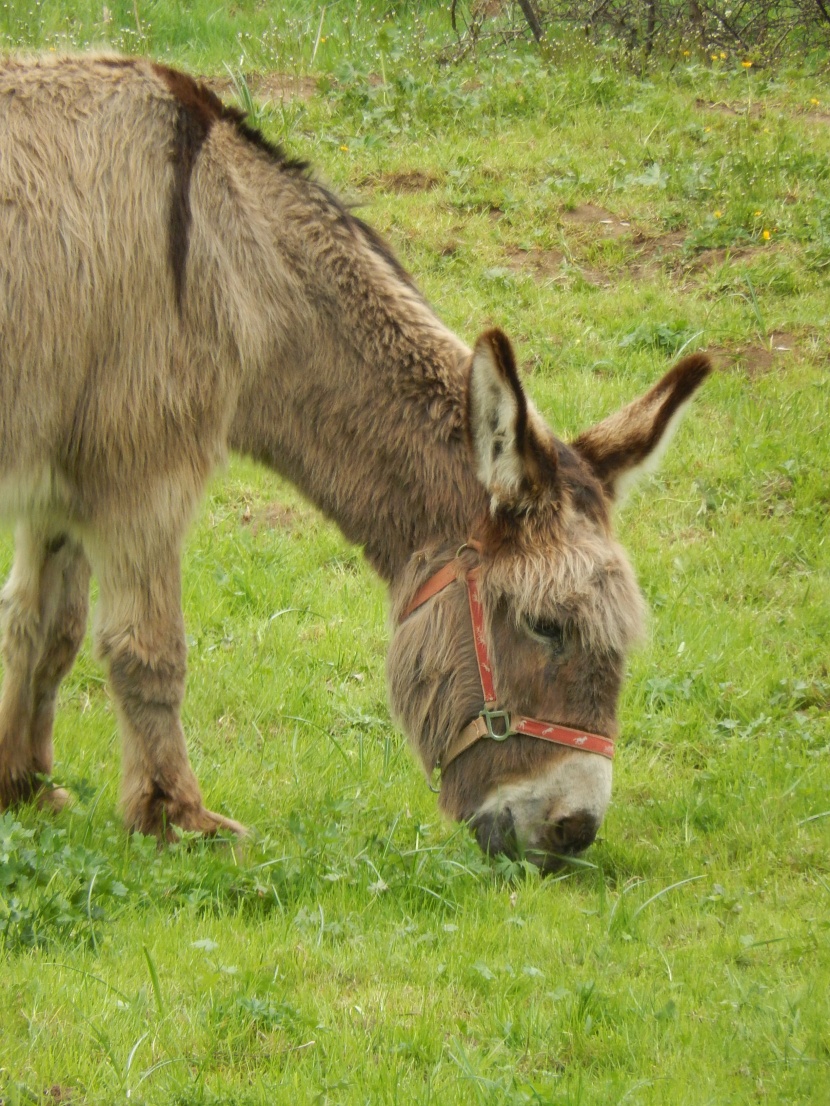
<point x="54" y="799"/>
<point x="199" y="820"/>
<point x="164" y="816"/>
<point x="211" y="824"/>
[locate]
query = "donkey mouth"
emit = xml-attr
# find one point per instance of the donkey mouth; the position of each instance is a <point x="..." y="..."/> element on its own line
<point x="556" y="842"/>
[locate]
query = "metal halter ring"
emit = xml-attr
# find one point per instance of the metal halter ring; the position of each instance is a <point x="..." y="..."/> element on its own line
<point x="491" y="716"/>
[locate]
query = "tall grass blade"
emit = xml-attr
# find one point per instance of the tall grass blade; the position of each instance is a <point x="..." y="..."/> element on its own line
<point x="665" y="891"/>
<point x="154" y="979"/>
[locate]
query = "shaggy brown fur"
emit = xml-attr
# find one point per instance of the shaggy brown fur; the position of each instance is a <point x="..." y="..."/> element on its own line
<point x="174" y="287"/>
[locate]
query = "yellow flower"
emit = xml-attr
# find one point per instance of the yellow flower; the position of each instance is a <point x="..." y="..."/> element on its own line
<point x="686" y="53"/>
<point x="765" y="235"/>
<point x="815" y="102"/>
<point x="345" y="149"/>
<point x="706" y="130"/>
<point x="757" y="213"/>
<point x="714" y="57"/>
<point x="722" y="54"/>
<point x="746" y="64"/>
<point x="718" y="214"/>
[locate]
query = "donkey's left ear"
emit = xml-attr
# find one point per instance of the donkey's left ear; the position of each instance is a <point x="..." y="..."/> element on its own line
<point x="632" y="441"/>
<point x="512" y="463"/>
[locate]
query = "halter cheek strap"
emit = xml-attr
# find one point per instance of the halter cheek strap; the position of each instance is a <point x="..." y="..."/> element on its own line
<point x="492" y="722"/>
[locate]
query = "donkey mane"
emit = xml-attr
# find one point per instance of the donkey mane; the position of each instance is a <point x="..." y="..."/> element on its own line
<point x="200" y="109"/>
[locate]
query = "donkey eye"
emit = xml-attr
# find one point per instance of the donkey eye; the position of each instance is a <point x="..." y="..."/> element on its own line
<point x="552" y="633"/>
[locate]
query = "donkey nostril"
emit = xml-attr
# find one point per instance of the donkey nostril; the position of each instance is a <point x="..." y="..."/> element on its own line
<point x="572" y="834"/>
<point x="556" y="836"/>
<point x="495" y="833"/>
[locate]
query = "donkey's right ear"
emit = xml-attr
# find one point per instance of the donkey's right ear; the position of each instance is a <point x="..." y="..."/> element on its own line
<point x="510" y="460"/>
<point x="633" y="440"/>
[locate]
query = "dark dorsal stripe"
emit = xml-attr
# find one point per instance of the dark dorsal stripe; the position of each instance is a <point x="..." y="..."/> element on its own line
<point x="199" y="109"/>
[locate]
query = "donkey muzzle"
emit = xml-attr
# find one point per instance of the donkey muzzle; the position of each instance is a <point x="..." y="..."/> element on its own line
<point x="496" y="835"/>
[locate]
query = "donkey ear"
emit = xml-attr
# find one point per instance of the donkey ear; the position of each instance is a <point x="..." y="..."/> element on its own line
<point x="632" y="441"/>
<point x="511" y="463"/>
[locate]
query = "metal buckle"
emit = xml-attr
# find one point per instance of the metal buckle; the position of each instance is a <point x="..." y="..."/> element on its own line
<point x="489" y="717"/>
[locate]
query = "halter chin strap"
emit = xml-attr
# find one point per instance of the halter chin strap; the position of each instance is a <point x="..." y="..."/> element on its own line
<point x="492" y="721"/>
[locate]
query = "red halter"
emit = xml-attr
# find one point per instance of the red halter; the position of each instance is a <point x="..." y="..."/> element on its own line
<point x="493" y="722"/>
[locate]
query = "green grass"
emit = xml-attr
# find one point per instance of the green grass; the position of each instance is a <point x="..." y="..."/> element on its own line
<point x="360" y="949"/>
<point x="247" y="35"/>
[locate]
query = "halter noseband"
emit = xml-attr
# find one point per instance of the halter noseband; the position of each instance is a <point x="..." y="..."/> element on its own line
<point x="493" y="722"/>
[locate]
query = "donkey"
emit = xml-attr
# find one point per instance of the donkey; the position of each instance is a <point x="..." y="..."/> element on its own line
<point x="173" y="286"/>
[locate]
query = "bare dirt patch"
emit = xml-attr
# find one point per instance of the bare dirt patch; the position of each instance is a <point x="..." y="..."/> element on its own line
<point x="775" y="495"/>
<point x="668" y="250"/>
<point x="657" y="253"/>
<point x="57" y="1093"/>
<point x="284" y="86"/>
<point x="404" y="181"/>
<point x="590" y="215"/>
<point x="737" y="107"/>
<point x="595" y="277"/>
<point x="276" y="516"/>
<point x="719" y="256"/>
<point x="661" y="244"/>
<point x="542" y="263"/>
<point x="822" y="117"/>
<point x="267" y="86"/>
<point x="552" y="265"/>
<point x="651" y="255"/>
<point x="757" y="358"/>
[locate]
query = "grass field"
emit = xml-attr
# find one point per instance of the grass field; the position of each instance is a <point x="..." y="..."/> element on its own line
<point x="359" y="949"/>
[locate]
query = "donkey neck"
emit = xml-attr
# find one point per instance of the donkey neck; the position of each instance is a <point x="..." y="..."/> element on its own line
<point x="365" y="408"/>
<point x="421" y="488"/>
<point x="391" y="464"/>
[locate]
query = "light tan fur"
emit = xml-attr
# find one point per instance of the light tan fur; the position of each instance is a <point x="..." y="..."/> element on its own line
<point x="172" y="288"/>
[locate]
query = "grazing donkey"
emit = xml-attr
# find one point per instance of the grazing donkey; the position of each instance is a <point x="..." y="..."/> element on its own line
<point x="172" y="286"/>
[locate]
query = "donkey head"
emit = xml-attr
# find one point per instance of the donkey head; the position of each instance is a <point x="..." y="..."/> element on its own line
<point x="555" y="610"/>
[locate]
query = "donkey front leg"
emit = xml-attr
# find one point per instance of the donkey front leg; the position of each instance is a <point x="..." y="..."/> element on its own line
<point x="44" y="604"/>
<point x="141" y="640"/>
